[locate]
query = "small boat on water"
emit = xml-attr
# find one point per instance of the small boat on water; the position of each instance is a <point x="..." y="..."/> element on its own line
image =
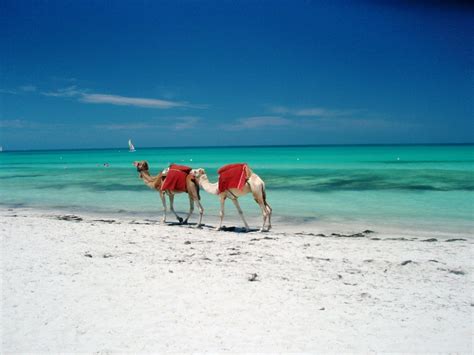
<point x="131" y="148"/>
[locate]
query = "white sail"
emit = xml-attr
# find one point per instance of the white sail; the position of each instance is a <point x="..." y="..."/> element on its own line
<point x="131" y="148"/>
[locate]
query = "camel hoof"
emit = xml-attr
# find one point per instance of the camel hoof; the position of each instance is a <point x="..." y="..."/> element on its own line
<point x="180" y="220"/>
<point x="217" y="229"/>
<point x="199" y="226"/>
<point x="185" y="221"/>
<point x="163" y="221"/>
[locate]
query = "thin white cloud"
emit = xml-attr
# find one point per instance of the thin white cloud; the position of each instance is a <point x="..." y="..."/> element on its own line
<point x="127" y="126"/>
<point x="313" y="111"/>
<point x="257" y="122"/>
<point x="129" y="101"/>
<point x="8" y="91"/>
<point x="186" y="123"/>
<point x="118" y="100"/>
<point x="28" y="88"/>
<point x="175" y="123"/>
<point x="25" y="124"/>
<point x="12" y="123"/>
<point x="70" y="91"/>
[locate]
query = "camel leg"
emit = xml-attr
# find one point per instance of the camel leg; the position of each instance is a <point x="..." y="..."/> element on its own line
<point x="180" y="220"/>
<point x="264" y="214"/>
<point x="163" y="201"/>
<point x="237" y="205"/>
<point x="191" y="209"/>
<point x="201" y="212"/>
<point x="221" y="213"/>
<point x="269" y="209"/>
<point x="258" y="195"/>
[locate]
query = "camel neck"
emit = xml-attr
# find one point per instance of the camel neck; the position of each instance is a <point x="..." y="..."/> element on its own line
<point x="209" y="187"/>
<point x="149" y="180"/>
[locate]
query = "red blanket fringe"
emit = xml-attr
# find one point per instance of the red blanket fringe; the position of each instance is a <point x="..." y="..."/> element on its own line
<point x="176" y="178"/>
<point x="232" y="176"/>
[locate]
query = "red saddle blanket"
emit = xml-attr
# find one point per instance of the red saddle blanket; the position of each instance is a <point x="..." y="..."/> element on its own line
<point x="232" y="176"/>
<point x="176" y="178"/>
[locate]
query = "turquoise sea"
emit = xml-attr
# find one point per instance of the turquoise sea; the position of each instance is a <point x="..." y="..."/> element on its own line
<point x="428" y="186"/>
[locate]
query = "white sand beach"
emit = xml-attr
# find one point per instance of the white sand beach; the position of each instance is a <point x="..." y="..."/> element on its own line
<point x="91" y="284"/>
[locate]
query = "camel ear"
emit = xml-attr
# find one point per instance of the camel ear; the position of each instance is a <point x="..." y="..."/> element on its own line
<point x="135" y="164"/>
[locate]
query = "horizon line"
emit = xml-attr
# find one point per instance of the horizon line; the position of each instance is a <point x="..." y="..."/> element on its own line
<point x="244" y="146"/>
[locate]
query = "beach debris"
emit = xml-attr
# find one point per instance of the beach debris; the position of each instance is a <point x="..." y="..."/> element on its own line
<point x="322" y="309"/>
<point x="257" y="239"/>
<point x="434" y="261"/>
<point x="349" y="284"/>
<point x="355" y="235"/>
<point x="368" y="231"/>
<point x="144" y="223"/>
<point x="235" y="253"/>
<point x="87" y="254"/>
<point x="107" y="255"/>
<point x="374" y="238"/>
<point x="457" y="272"/>
<point x="253" y="277"/>
<point x="353" y="271"/>
<point x="69" y="217"/>
<point x="368" y="260"/>
<point x="110" y="221"/>
<point x="206" y="259"/>
<point x="187" y="242"/>
<point x="406" y="262"/>
<point x="170" y="271"/>
<point x="430" y="240"/>
<point x="456" y="240"/>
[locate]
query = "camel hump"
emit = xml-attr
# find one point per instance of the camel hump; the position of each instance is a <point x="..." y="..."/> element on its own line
<point x="248" y="171"/>
<point x="233" y="176"/>
<point x="183" y="168"/>
<point x="237" y="166"/>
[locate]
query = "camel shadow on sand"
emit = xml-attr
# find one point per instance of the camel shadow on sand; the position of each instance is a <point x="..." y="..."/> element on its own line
<point x="223" y="229"/>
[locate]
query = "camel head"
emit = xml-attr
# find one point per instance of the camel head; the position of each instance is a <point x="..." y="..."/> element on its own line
<point x="197" y="173"/>
<point x="141" y="165"/>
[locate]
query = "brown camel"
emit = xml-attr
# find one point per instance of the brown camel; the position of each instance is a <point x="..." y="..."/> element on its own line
<point x="155" y="182"/>
<point x="254" y="184"/>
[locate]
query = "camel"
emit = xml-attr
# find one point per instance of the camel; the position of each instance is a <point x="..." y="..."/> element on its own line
<point x="155" y="182"/>
<point x="253" y="184"/>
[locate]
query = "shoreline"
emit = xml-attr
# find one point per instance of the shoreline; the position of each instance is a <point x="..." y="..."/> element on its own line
<point x="81" y="284"/>
<point x="280" y="223"/>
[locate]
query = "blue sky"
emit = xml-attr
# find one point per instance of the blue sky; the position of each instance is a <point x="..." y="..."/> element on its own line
<point x="91" y="74"/>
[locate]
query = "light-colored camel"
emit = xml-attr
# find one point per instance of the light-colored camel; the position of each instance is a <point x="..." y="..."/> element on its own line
<point x="254" y="184"/>
<point x="155" y="182"/>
